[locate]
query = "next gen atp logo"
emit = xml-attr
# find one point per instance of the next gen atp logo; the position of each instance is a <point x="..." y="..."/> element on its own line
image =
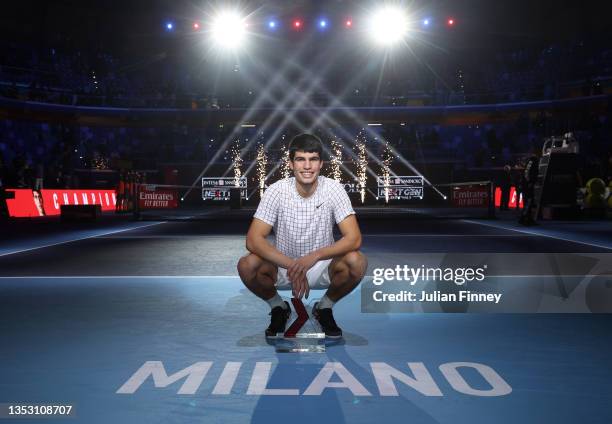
<point x="331" y="376"/>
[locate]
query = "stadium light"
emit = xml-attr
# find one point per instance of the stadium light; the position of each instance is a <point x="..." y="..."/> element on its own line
<point x="169" y="26"/>
<point x="228" y="30"/>
<point x="388" y="26"/>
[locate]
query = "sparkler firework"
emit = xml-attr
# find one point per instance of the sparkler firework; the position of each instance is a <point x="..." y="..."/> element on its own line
<point x="285" y="169"/>
<point x="387" y="158"/>
<point x="237" y="162"/>
<point x="362" y="164"/>
<point x="336" y="161"/>
<point x="262" y="163"/>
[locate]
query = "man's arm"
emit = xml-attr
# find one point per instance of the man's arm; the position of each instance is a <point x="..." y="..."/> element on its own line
<point x="257" y="244"/>
<point x="350" y="241"/>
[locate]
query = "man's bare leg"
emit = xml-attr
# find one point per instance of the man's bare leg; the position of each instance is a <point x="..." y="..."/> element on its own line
<point x="258" y="275"/>
<point x="345" y="273"/>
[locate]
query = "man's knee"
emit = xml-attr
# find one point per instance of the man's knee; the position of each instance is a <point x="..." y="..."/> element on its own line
<point x="252" y="269"/>
<point x="357" y="264"/>
<point x="248" y="266"/>
<point x="351" y="268"/>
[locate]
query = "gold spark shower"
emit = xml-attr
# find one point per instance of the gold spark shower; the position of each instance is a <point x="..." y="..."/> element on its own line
<point x="285" y="169"/>
<point x="336" y="161"/>
<point x="237" y="163"/>
<point x="362" y="164"/>
<point x="262" y="163"/>
<point x="387" y="158"/>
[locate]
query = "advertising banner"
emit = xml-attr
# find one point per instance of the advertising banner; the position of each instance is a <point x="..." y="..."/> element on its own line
<point x="400" y="187"/>
<point x="218" y="188"/>
<point x="513" y="198"/>
<point x="153" y="197"/>
<point x="47" y="202"/>
<point x="476" y="196"/>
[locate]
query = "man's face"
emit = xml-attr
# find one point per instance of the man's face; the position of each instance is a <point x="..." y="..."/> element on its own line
<point x="38" y="202"/>
<point x="306" y="167"/>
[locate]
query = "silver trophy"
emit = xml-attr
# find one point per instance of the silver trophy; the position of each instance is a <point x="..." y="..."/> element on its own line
<point x="303" y="335"/>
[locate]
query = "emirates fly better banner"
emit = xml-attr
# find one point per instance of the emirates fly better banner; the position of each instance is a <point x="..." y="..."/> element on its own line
<point x="153" y="197"/>
<point x="471" y="196"/>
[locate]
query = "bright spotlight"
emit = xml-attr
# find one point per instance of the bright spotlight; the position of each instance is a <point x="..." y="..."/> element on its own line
<point x="426" y="22"/>
<point x="323" y="23"/>
<point x="272" y="24"/>
<point x="196" y="26"/>
<point x="169" y="26"/>
<point x="297" y="24"/>
<point x="228" y="29"/>
<point x="348" y="23"/>
<point x="451" y="22"/>
<point x="388" y="25"/>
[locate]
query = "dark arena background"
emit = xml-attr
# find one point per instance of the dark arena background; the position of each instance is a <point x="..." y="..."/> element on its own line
<point x="474" y="141"/>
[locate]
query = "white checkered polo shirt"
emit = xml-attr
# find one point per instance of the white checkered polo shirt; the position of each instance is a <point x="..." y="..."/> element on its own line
<point x="303" y="225"/>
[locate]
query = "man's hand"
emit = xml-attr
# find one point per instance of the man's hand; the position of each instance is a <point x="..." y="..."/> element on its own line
<point x="296" y="273"/>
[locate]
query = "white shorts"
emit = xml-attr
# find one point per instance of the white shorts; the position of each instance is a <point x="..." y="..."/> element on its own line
<point x="317" y="276"/>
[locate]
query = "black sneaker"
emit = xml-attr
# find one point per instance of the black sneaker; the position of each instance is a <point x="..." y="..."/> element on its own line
<point x="278" y="321"/>
<point x="325" y="317"/>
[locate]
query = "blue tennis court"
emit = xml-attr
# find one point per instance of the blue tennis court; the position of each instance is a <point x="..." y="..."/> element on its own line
<point x="78" y="341"/>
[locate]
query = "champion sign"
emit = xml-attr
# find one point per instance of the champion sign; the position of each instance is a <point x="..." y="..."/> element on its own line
<point x="48" y="202"/>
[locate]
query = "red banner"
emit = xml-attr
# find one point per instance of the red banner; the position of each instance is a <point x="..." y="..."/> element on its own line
<point x="511" y="201"/>
<point x="152" y="197"/>
<point x="47" y="202"/>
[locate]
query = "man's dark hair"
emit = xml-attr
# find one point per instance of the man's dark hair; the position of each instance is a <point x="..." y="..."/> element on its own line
<point x="308" y="143"/>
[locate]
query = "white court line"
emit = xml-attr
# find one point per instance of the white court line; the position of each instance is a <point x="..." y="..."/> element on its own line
<point x="234" y="236"/>
<point x="179" y="236"/>
<point x="108" y="277"/>
<point x="539" y="234"/>
<point x="78" y="239"/>
<point x="133" y="277"/>
<point x="446" y="235"/>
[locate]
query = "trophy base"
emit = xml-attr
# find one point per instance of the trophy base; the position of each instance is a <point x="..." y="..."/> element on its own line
<point x="302" y="342"/>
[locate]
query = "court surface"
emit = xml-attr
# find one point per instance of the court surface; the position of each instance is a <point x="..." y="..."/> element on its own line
<point x="82" y="310"/>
